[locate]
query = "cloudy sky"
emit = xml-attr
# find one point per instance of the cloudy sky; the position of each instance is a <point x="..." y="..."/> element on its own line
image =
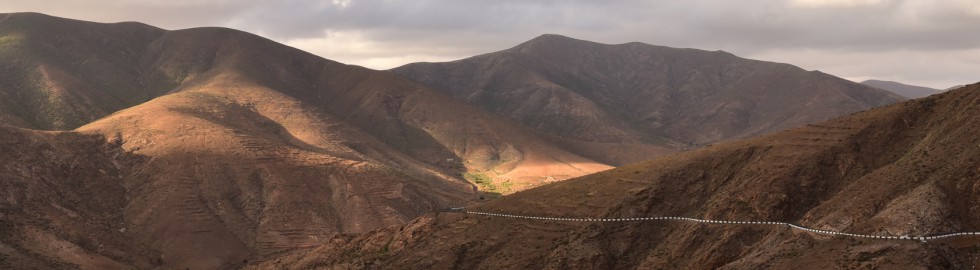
<point x="934" y="43"/>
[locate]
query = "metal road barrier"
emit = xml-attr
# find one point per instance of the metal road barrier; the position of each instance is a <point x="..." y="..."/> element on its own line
<point x="709" y="221"/>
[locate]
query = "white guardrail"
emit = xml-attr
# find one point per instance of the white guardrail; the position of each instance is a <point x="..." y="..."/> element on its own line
<point x="709" y="221"/>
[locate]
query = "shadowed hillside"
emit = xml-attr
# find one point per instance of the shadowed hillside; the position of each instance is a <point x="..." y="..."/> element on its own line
<point x="906" y="169"/>
<point x="60" y="74"/>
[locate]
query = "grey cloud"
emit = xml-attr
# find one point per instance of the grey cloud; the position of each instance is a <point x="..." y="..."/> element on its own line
<point x="468" y="27"/>
<point x="750" y="23"/>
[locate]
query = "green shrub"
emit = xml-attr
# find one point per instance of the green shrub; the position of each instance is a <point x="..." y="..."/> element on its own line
<point x="481" y="180"/>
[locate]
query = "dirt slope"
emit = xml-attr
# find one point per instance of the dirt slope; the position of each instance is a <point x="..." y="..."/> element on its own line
<point x="905" y="169"/>
<point x="641" y="94"/>
<point x="60" y="195"/>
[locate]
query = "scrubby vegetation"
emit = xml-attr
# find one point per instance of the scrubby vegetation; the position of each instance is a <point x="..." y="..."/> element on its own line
<point x="482" y="181"/>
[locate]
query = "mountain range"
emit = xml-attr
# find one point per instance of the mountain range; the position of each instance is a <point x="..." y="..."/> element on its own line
<point x="643" y="94"/>
<point x="130" y="146"/>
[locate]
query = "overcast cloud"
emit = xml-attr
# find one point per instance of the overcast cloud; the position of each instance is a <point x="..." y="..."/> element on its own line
<point x="934" y="43"/>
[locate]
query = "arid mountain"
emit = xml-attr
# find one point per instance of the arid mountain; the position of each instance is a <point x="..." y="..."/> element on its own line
<point x="643" y="94"/>
<point x="212" y="148"/>
<point x="905" y="90"/>
<point x="222" y="147"/>
<point x="905" y="169"/>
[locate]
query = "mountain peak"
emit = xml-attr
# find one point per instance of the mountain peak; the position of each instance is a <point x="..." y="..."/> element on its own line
<point x="553" y="37"/>
<point x="551" y="40"/>
<point x="35" y="17"/>
<point x="26" y="14"/>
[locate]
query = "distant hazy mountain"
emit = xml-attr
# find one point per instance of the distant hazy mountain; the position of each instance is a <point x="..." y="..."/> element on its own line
<point x="954" y="87"/>
<point x="905" y="90"/>
<point x="636" y="92"/>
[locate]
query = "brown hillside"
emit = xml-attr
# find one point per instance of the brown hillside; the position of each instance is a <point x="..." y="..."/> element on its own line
<point x="221" y="175"/>
<point x="641" y="94"/>
<point x="60" y="195"/>
<point x="244" y="150"/>
<point x="905" y="169"/>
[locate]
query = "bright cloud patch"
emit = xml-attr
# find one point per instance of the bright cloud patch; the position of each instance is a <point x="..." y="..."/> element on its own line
<point x="835" y="3"/>
<point x="341" y="3"/>
<point x="357" y="49"/>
